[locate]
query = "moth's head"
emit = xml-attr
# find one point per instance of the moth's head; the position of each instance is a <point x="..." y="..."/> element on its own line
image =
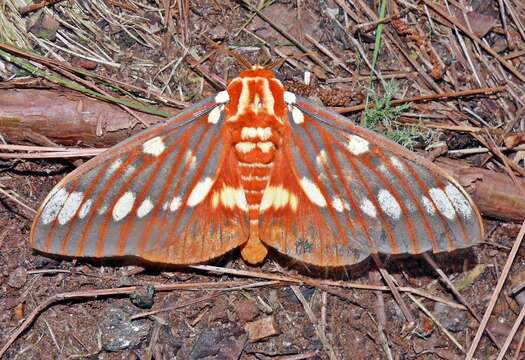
<point x="256" y="95"/>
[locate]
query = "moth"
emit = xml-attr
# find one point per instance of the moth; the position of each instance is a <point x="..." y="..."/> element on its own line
<point x="256" y="167"/>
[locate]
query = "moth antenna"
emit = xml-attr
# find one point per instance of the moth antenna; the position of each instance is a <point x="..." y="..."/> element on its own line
<point x="240" y="59"/>
<point x="277" y="63"/>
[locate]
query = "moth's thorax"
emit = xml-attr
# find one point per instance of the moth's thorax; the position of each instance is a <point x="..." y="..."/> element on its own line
<point x="255" y="117"/>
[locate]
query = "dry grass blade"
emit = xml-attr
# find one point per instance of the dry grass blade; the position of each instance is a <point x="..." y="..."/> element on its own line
<point x="441" y="327"/>
<point x="313" y="319"/>
<point x="512" y="332"/>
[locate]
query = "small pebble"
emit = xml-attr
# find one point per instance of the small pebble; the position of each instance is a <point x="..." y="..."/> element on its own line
<point x="144" y="296"/>
<point x="17" y="278"/>
<point x="451" y="318"/>
<point x="207" y="344"/>
<point x="118" y="332"/>
<point x="219" y="311"/>
<point x="246" y="310"/>
<point x="261" y="329"/>
<point x="290" y="297"/>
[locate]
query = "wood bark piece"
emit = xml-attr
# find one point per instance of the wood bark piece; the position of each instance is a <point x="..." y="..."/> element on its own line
<point x="494" y="193"/>
<point x="46" y="117"/>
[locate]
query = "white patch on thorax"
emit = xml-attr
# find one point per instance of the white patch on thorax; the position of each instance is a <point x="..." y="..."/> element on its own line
<point x="357" y="145"/>
<point x="389" y="204"/>
<point x="53" y="206"/>
<point x="248" y="133"/>
<point x="256" y="165"/>
<point x="442" y="202"/>
<point x="199" y="192"/>
<point x="144" y="208"/>
<point x="123" y="206"/>
<point x="154" y="146"/>
<point x="70" y="207"/>
<point x="266" y="146"/>
<point x="313" y="192"/>
<point x="245" y="147"/>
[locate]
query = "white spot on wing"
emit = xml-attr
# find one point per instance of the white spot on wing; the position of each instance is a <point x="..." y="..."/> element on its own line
<point x="442" y="203"/>
<point x="289" y="98"/>
<point x="84" y="209"/>
<point x="337" y="204"/>
<point x="321" y="158"/>
<point x="222" y="97"/>
<point x="297" y="115"/>
<point x="53" y="206"/>
<point x="199" y="192"/>
<point x="427" y="204"/>
<point x="70" y="207"/>
<point x="113" y="167"/>
<point x="397" y="163"/>
<point x="102" y="210"/>
<point x="215" y="115"/>
<point x="175" y="203"/>
<point x="123" y="206"/>
<point x="154" y="146"/>
<point x="357" y="145"/>
<point x="191" y="159"/>
<point x="368" y="208"/>
<point x="389" y="204"/>
<point x="144" y="208"/>
<point x="458" y="200"/>
<point x="312" y="192"/>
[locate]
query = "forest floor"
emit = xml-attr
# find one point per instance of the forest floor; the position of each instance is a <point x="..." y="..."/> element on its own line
<point x="132" y="63"/>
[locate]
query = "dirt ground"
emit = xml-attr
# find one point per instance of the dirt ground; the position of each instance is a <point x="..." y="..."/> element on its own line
<point x="233" y="310"/>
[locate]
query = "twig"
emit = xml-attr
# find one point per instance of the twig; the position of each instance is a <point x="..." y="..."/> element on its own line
<point x="323" y="284"/>
<point x="452" y="94"/>
<point x="7" y="194"/>
<point x="512" y="332"/>
<point x="441" y="327"/>
<point x="37" y="6"/>
<point x="315" y="323"/>
<point x="395" y="292"/>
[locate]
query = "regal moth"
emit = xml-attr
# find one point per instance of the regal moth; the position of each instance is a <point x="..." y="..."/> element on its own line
<point x="256" y="167"/>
